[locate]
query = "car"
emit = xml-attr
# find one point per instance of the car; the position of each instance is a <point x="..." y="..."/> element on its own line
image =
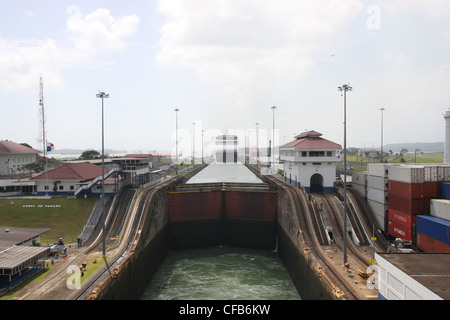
<point x="57" y="247"/>
<point x="401" y="246"/>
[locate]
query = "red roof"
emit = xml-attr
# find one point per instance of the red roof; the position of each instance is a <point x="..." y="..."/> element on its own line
<point x="137" y="155"/>
<point x="311" y="140"/>
<point x="9" y="147"/>
<point x="73" y="171"/>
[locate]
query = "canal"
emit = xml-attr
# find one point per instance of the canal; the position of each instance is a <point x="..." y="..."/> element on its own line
<point x="221" y="273"/>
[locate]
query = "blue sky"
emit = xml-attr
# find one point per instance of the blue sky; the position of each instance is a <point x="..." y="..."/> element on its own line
<point x="224" y="64"/>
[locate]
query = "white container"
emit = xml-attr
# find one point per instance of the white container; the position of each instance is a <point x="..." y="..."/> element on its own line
<point x="359" y="178"/>
<point x="360" y="189"/>
<point x="375" y="182"/>
<point x="379" y="212"/>
<point x="377" y="195"/>
<point x="379" y="169"/>
<point x="407" y="174"/>
<point x="440" y="208"/>
<point x="431" y="173"/>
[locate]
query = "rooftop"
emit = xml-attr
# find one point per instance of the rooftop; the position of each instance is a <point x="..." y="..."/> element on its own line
<point x="225" y="172"/>
<point x="9" y="147"/>
<point x="429" y="269"/>
<point x="73" y="171"/>
<point x="311" y="140"/>
<point x="10" y="236"/>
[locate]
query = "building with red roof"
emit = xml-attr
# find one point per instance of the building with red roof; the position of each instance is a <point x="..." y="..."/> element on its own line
<point x="71" y="176"/>
<point x="310" y="161"/>
<point x="14" y="156"/>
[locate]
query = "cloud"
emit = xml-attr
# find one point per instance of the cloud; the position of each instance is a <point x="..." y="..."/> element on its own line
<point x="239" y="42"/>
<point x="22" y="61"/>
<point x="99" y="31"/>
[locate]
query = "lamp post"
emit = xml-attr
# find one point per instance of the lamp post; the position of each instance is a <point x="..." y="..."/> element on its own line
<point x="193" y="143"/>
<point x="381" y="157"/>
<point x="103" y="96"/>
<point x="176" y="126"/>
<point x="257" y="144"/>
<point x="273" y="137"/>
<point x="345" y="88"/>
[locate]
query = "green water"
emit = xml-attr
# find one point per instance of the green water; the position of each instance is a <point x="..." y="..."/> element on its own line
<point x="221" y="273"/>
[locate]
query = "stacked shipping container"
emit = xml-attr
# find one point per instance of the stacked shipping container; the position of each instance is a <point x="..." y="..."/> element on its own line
<point x="433" y="232"/>
<point x="398" y="194"/>
<point x="410" y="192"/>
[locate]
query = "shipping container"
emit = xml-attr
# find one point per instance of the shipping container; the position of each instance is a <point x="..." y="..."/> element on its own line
<point x="379" y="169"/>
<point x="429" y="244"/>
<point x="440" y="208"/>
<point x="434" y="227"/>
<point x="380" y="183"/>
<point x="399" y="231"/>
<point x="408" y="205"/>
<point x="446" y="190"/>
<point x="414" y="190"/>
<point x="407" y="173"/>
<point x="360" y="189"/>
<point x="403" y="218"/>
<point x="379" y="212"/>
<point x="377" y="195"/>
<point x="359" y="178"/>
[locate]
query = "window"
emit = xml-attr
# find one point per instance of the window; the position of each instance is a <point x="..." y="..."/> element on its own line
<point x="61" y="187"/>
<point x="317" y="153"/>
<point x="304" y="154"/>
<point x="329" y="154"/>
<point x="72" y="188"/>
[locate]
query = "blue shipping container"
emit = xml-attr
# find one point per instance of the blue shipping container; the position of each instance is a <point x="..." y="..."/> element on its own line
<point x="446" y="190"/>
<point x="434" y="227"/>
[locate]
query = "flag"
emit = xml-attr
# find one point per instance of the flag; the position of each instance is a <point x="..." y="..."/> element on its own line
<point x="50" y="146"/>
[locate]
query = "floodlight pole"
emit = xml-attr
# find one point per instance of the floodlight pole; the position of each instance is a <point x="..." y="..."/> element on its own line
<point x="381" y="158"/>
<point x="345" y="88"/>
<point x="257" y="144"/>
<point x="273" y="137"/>
<point x="176" y="128"/>
<point x="103" y="96"/>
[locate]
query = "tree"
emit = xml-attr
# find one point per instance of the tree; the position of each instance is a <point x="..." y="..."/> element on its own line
<point x="89" y="155"/>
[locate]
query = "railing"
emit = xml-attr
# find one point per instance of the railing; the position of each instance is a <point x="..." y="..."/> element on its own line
<point x="99" y="178"/>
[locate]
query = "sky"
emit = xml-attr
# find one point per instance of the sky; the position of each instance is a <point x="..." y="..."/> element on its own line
<point x="224" y="64"/>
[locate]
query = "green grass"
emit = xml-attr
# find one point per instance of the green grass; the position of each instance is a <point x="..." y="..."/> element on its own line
<point x="64" y="217"/>
<point x="408" y="159"/>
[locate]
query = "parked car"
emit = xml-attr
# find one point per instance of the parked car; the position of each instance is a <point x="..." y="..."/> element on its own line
<point x="401" y="246"/>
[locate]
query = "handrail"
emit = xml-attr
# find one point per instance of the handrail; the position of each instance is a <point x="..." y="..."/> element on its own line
<point x="93" y="182"/>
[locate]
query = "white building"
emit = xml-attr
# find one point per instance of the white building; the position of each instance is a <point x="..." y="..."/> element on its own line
<point x="226" y="149"/>
<point x="67" y="179"/>
<point x="14" y="157"/>
<point x="310" y="162"/>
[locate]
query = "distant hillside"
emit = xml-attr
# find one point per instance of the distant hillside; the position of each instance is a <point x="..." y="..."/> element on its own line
<point x="423" y="146"/>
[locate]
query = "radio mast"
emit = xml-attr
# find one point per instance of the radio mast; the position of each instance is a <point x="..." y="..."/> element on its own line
<point x="42" y="122"/>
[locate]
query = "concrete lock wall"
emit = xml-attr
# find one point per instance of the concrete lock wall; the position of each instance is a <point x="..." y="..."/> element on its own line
<point x="136" y="271"/>
<point x="214" y="217"/>
<point x="294" y="254"/>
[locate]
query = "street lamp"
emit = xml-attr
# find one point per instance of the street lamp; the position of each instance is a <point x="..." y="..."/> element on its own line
<point x="273" y="137"/>
<point x="193" y="143"/>
<point x="257" y="144"/>
<point x="176" y="161"/>
<point x="345" y="88"/>
<point x="103" y="96"/>
<point x="381" y="158"/>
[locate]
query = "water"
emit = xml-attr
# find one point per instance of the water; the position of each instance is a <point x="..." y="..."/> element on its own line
<point x="221" y="273"/>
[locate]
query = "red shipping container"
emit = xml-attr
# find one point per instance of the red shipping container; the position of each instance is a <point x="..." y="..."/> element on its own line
<point x="408" y="205"/>
<point x="403" y="218"/>
<point x="399" y="231"/>
<point x="413" y="190"/>
<point x="429" y="244"/>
